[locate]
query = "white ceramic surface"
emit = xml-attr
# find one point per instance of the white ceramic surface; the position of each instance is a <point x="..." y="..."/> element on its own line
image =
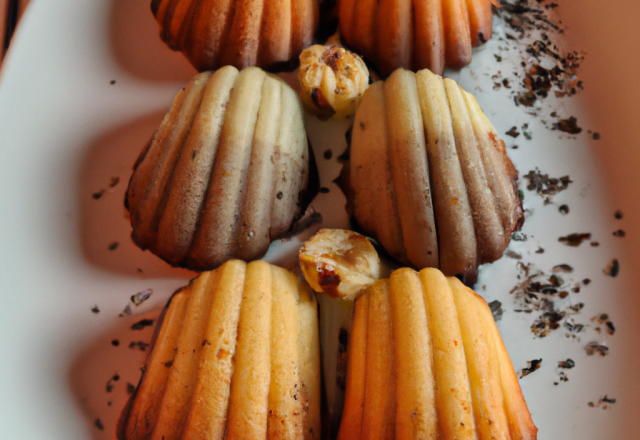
<point x="66" y="131"/>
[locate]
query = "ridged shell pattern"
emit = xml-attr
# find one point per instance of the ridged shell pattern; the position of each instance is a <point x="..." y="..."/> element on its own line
<point x="426" y="361"/>
<point x="225" y="173"/>
<point x="415" y="34"/>
<point x="236" y="357"/>
<point x="429" y="177"/>
<point x="215" y="33"/>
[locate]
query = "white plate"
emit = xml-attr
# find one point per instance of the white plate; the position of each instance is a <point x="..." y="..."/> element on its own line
<point x="65" y="131"/>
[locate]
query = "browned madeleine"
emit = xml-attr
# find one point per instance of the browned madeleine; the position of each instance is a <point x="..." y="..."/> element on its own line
<point x="415" y="34"/>
<point x="236" y="356"/>
<point x="426" y="360"/>
<point x="428" y="176"/>
<point x="424" y="357"/>
<point x="225" y="174"/>
<point x="214" y="33"/>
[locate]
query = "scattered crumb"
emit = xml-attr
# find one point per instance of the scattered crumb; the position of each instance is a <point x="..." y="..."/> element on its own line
<point x="612" y="268"/>
<point x="142" y="324"/>
<point x="141" y="297"/>
<point x="594" y="347"/>
<point x="95" y="309"/>
<point x="533" y="366"/>
<point x="575" y="239"/>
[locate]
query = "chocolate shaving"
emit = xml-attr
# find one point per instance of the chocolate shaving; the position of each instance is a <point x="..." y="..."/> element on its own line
<point x="496" y="310"/>
<point x="568" y="364"/>
<point x="142" y="324"/>
<point x="594" y="347"/>
<point x="612" y="268"/>
<point x="141" y="297"/>
<point x="546" y="186"/>
<point x="533" y="366"/>
<point x="575" y="239"/>
<point x="567" y="125"/>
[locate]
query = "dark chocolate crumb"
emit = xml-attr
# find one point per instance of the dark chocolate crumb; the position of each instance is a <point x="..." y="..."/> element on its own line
<point x="97" y="195"/>
<point x="139" y="344"/>
<point x="95" y="309"/>
<point x="611" y="329"/>
<point x="142" y="324"/>
<point x="568" y="364"/>
<point x="131" y="388"/>
<point x="564" y="209"/>
<point x="575" y="239"/>
<point x="112" y="82"/>
<point x="562" y="268"/>
<point x="519" y="236"/>
<point x="141" y="297"/>
<point x="596" y="348"/>
<point x="113" y="246"/>
<point x="546" y="186"/>
<point x="586" y="281"/>
<point x="568" y="125"/>
<point x="619" y="233"/>
<point x="612" y="268"/>
<point x="533" y="366"/>
<point x="496" y="310"/>
<point x="512" y="254"/>
<point x="115" y="342"/>
<point x="618" y="215"/>
<point x="513" y="132"/>
<point x="328" y="154"/>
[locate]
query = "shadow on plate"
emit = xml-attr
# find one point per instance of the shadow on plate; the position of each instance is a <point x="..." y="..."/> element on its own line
<point x="103" y="375"/>
<point x="104" y="226"/>
<point x="137" y="47"/>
